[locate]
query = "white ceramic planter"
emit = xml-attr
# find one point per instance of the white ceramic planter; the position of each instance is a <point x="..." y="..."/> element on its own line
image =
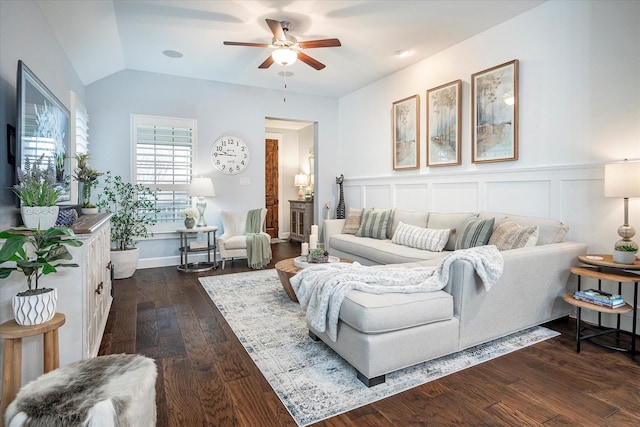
<point x="89" y="211"/>
<point x="124" y="263"/>
<point x="39" y="216"/>
<point x="35" y="309"/>
<point x="624" y="257"/>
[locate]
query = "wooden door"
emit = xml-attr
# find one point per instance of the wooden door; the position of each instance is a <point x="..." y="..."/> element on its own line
<point x="271" y="186"/>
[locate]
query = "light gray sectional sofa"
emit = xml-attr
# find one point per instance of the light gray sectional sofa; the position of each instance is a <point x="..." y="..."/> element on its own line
<point x="378" y="334"/>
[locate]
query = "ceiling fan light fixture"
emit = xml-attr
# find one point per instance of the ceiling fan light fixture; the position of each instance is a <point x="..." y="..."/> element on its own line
<point x="284" y="56"/>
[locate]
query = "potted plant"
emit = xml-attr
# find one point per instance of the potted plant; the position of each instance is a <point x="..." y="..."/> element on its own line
<point x="35" y="252"/>
<point x="190" y="215"/>
<point x="625" y="253"/>
<point x="87" y="179"/>
<point x="38" y="193"/>
<point x="132" y="207"/>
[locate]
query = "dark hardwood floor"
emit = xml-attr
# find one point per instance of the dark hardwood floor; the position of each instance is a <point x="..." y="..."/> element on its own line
<point x="205" y="377"/>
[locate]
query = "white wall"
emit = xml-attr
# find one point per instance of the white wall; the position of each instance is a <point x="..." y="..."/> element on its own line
<point x="25" y="35"/>
<point x="579" y="109"/>
<point x="220" y="109"/>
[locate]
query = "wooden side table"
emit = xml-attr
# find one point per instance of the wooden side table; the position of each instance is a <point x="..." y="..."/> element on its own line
<point x="12" y="333"/>
<point x="602" y="268"/>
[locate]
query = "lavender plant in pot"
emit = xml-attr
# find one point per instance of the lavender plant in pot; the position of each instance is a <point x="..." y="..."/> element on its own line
<point x="38" y="192"/>
<point x="35" y="253"/>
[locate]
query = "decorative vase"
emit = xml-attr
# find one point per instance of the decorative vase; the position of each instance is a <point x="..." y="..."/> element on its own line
<point x="42" y="217"/>
<point x="67" y="217"/>
<point x="624" y="257"/>
<point x="189" y="222"/>
<point x="29" y="310"/>
<point x="89" y="211"/>
<point x="124" y="263"/>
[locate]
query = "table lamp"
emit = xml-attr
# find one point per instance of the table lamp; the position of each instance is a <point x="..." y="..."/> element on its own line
<point x="300" y="181"/>
<point x="623" y="180"/>
<point x="201" y="188"/>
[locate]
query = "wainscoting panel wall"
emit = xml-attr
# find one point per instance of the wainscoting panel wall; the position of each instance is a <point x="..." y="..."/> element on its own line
<point x="571" y="194"/>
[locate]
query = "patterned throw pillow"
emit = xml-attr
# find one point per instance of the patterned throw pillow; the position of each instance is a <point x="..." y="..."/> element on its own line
<point x="374" y="224"/>
<point x="352" y="224"/>
<point x="474" y="233"/>
<point x="427" y="239"/>
<point x="509" y="235"/>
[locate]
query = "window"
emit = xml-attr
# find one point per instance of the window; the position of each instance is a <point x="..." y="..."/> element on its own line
<point x="164" y="161"/>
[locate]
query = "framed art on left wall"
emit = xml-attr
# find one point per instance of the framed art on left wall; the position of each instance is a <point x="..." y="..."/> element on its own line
<point x="406" y="133"/>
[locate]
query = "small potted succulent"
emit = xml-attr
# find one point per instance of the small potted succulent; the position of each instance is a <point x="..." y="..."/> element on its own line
<point x="190" y="215"/>
<point x="38" y="192"/>
<point x="87" y="179"/>
<point x="35" y="252"/>
<point x="625" y="252"/>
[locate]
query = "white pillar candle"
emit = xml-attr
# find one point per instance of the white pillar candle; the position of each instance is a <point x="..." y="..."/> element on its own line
<point x="313" y="241"/>
<point x="305" y="249"/>
<point x="314" y="229"/>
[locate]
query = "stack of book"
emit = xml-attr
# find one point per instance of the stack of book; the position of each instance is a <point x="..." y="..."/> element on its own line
<point x="600" y="298"/>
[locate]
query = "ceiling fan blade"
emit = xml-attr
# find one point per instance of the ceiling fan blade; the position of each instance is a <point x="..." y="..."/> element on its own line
<point x="276" y="29"/>
<point x="245" y="44"/>
<point x="310" y="61"/>
<point x="267" y="62"/>
<point x="320" y="43"/>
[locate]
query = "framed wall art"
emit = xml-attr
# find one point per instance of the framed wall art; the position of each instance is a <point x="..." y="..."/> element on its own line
<point x="443" y="124"/>
<point x="406" y="133"/>
<point x="494" y="114"/>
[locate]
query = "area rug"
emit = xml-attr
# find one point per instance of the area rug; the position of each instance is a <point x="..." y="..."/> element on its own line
<point x="311" y="380"/>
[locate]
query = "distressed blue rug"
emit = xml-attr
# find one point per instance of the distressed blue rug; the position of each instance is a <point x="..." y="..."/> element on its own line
<point x="311" y="380"/>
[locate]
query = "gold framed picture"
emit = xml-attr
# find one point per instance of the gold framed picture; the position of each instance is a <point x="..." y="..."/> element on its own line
<point x="406" y="133"/>
<point x="494" y="115"/>
<point x="444" y="111"/>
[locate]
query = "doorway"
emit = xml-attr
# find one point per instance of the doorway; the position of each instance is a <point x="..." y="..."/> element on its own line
<point x="289" y="150"/>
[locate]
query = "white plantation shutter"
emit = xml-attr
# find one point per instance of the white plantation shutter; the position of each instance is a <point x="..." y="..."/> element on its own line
<point x="164" y="161"/>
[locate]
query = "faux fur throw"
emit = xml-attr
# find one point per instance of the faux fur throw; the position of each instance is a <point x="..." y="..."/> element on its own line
<point x="115" y="390"/>
<point x="321" y="289"/>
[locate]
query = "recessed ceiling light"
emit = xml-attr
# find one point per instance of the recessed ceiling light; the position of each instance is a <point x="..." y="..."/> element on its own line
<point x="402" y="53"/>
<point x="285" y="73"/>
<point x="172" y="53"/>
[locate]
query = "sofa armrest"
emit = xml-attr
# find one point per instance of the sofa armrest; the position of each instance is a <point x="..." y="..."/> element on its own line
<point x="331" y="227"/>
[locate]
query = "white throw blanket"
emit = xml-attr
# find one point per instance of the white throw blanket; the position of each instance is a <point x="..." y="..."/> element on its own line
<point x="321" y="289"/>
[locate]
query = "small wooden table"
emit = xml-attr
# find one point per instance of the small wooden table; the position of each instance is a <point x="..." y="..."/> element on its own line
<point x="286" y="270"/>
<point x="194" y="267"/>
<point x="12" y="356"/>
<point x="602" y="267"/>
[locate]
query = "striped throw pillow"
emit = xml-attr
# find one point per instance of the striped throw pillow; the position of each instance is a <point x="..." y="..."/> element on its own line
<point x="374" y="224"/>
<point x="428" y="239"/>
<point x="475" y="232"/>
<point x="509" y="235"/>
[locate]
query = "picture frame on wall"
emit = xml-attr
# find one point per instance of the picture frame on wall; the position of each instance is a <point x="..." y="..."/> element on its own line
<point x="406" y="133"/>
<point x="494" y="115"/>
<point x="444" y="112"/>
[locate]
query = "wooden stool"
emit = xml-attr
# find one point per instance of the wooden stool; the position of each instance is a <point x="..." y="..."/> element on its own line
<point x="12" y="361"/>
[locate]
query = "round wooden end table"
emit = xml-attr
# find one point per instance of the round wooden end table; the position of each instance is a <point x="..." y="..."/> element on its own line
<point x="286" y="270"/>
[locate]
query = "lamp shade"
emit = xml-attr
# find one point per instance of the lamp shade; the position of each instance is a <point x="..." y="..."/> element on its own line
<point x="284" y="56"/>
<point x="622" y="179"/>
<point x="300" y="180"/>
<point x="201" y="187"/>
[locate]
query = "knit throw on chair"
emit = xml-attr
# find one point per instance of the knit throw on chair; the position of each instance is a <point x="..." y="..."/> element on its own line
<point x="258" y="245"/>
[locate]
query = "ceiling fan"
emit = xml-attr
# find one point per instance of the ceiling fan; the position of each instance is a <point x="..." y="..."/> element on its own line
<point x="288" y="48"/>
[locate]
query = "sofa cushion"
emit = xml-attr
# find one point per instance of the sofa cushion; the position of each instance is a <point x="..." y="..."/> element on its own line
<point x="421" y="238"/>
<point x="352" y="223"/>
<point x="475" y="232"/>
<point x="378" y="251"/>
<point x="509" y="235"/>
<point x="549" y="230"/>
<point x="417" y="218"/>
<point x="373" y="314"/>
<point x="374" y="223"/>
<point x="453" y="221"/>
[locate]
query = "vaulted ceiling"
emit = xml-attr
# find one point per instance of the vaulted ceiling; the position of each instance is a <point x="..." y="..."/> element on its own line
<point x="102" y="37"/>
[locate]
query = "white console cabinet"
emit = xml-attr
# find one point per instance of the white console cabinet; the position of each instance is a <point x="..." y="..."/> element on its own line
<point x="84" y="296"/>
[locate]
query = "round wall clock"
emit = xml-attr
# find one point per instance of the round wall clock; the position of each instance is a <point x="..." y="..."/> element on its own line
<point x="230" y="155"/>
